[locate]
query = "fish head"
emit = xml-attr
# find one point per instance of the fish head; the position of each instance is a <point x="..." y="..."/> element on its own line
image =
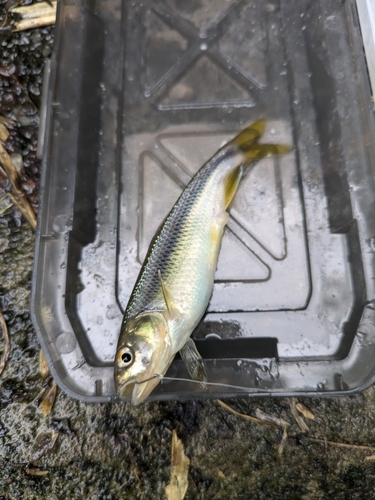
<point x="144" y="351"/>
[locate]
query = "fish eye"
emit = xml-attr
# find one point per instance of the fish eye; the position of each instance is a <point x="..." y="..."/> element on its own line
<point x="125" y="356"/>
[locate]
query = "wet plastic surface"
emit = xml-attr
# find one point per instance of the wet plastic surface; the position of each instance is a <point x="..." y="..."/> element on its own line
<point x="140" y="96"/>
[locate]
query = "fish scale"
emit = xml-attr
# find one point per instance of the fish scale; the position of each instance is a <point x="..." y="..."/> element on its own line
<point x="170" y="241"/>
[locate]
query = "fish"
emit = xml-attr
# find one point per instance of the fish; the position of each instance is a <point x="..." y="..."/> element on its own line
<point x="175" y="283"/>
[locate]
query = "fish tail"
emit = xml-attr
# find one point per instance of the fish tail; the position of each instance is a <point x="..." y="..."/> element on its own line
<point x="250" y="134"/>
<point x="248" y="142"/>
<point x="258" y="151"/>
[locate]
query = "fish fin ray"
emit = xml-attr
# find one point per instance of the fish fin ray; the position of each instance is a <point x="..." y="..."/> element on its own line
<point x="248" y="142"/>
<point x="273" y="150"/>
<point x="217" y="236"/>
<point x="172" y="308"/>
<point x="231" y="183"/>
<point x="250" y="134"/>
<point x="194" y="362"/>
<point x="258" y="151"/>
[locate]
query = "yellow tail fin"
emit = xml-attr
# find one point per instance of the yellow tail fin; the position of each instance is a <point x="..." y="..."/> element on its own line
<point x="248" y="142"/>
<point x="250" y="134"/>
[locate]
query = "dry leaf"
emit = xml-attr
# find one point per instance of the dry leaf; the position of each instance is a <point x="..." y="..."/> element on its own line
<point x="44" y="444"/>
<point x="37" y="472"/>
<point x="221" y="474"/>
<point x="4" y="133"/>
<point x="136" y="475"/>
<point x="35" y="15"/>
<point x="6" y="351"/>
<point x="305" y="411"/>
<point x="5" y="203"/>
<point x="178" y="485"/>
<point x="23" y="205"/>
<point x="8" y="167"/>
<point x="17" y="196"/>
<point x="370" y="457"/>
<point x="301" y="423"/>
<point x="43" y="365"/>
<point x="48" y="399"/>
<point x="8" y="122"/>
<point x="283" y="441"/>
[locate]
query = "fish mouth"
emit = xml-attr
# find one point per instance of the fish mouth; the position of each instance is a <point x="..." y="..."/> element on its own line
<point x="125" y="390"/>
<point x="136" y="390"/>
<point x="143" y="388"/>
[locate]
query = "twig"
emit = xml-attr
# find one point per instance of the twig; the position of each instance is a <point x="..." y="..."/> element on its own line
<point x="36" y="472"/>
<point x="29" y="24"/>
<point x="342" y="445"/>
<point x="6" y="351"/>
<point x="43" y="365"/>
<point x="270" y="418"/>
<point x="247" y="417"/>
<point x="35" y="15"/>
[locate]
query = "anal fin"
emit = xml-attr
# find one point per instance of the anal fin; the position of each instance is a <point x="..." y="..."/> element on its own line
<point x="194" y="362"/>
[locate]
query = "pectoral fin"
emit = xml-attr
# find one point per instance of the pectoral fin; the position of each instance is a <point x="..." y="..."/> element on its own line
<point x="172" y="308"/>
<point x="194" y="362"/>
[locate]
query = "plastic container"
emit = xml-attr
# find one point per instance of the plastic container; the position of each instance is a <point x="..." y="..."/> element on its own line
<point x="139" y="97"/>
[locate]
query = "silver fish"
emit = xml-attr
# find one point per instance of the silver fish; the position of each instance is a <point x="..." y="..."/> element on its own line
<point x="175" y="283"/>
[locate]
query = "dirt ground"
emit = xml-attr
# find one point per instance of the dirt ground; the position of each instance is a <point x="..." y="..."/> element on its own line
<point x="113" y="451"/>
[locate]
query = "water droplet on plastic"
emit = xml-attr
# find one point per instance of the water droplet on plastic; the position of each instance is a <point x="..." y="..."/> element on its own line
<point x="60" y="223"/>
<point x="112" y="312"/>
<point x="66" y="342"/>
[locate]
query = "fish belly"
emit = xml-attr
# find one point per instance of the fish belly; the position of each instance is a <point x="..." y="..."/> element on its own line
<point x="196" y="260"/>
